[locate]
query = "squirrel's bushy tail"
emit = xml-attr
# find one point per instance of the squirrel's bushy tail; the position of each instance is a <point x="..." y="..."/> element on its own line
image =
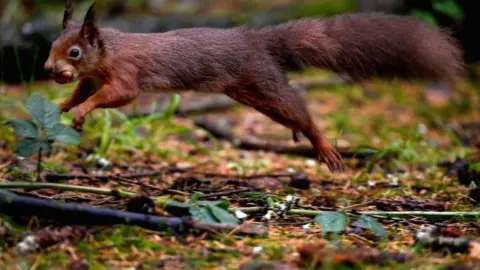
<point x="366" y="45"/>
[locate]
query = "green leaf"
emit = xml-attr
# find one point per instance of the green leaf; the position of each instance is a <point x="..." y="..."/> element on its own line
<point x="370" y="223"/>
<point x="195" y="197"/>
<point x="173" y="203"/>
<point x="449" y="8"/>
<point x="44" y="112"/>
<point x="222" y="204"/>
<point x="202" y="214"/>
<point x="27" y="147"/>
<point x="223" y="215"/>
<point x="332" y="221"/>
<point x="172" y="106"/>
<point x="63" y="133"/>
<point x="23" y="128"/>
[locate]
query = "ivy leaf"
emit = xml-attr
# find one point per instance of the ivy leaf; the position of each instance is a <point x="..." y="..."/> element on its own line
<point x="223" y="215"/>
<point x="332" y="221"/>
<point x="44" y="112"/>
<point x="23" y="128"/>
<point x="202" y="214"/>
<point x="63" y="133"/>
<point x="368" y="222"/>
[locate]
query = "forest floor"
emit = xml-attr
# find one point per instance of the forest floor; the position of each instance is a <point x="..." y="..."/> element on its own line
<point x="408" y="199"/>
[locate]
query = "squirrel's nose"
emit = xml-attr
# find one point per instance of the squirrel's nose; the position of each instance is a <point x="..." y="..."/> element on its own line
<point x="48" y="68"/>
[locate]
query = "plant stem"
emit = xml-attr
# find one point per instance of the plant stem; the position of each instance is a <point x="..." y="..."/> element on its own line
<point x="39" y="164"/>
<point x="65" y="187"/>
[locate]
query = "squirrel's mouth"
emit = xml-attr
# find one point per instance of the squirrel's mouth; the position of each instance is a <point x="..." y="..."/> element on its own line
<point x="63" y="77"/>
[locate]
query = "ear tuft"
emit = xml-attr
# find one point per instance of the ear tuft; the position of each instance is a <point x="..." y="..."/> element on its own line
<point x="67" y="14"/>
<point x="89" y="29"/>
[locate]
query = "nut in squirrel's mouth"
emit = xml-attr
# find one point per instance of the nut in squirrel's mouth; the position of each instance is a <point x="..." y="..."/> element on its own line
<point x="63" y="77"/>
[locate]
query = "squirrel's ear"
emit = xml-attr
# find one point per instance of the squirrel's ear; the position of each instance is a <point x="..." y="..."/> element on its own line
<point x="67" y="14"/>
<point x="89" y="27"/>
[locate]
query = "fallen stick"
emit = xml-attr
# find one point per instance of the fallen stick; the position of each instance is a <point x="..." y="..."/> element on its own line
<point x="72" y="213"/>
<point x="76" y="214"/>
<point x="222" y="131"/>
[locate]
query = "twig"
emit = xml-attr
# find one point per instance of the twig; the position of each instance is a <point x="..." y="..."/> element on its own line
<point x="357" y="205"/>
<point x="55" y="177"/>
<point x="247" y="177"/>
<point x="65" y="187"/>
<point x="245" y="228"/>
<point x="224" y="193"/>
<point x="425" y="214"/>
<point x="221" y="131"/>
<point x="6" y="164"/>
<point x="128" y="181"/>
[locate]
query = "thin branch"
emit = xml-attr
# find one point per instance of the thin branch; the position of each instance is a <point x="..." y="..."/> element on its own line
<point x="224" y="193"/>
<point x="65" y="187"/>
<point x="424" y="214"/>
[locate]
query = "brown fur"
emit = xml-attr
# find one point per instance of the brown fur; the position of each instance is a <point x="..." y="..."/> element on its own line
<point x="249" y="65"/>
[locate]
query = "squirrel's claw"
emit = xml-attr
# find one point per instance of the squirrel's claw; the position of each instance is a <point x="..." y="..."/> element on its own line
<point x="333" y="160"/>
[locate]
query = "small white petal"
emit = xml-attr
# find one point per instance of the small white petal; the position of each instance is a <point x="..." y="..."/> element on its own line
<point x="241" y="215"/>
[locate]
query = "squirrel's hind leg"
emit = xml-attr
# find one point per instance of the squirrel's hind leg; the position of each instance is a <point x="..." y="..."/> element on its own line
<point x="286" y="106"/>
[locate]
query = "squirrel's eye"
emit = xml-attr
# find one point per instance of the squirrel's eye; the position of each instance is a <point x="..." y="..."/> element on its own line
<point x="74" y="53"/>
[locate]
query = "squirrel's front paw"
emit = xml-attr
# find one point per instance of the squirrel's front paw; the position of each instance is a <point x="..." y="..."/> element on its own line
<point x="65" y="106"/>
<point x="78" y="119"/>
<point x="333" y="159"/>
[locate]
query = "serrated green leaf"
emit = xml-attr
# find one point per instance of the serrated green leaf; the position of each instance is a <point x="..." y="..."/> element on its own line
<point x="223" y="215"/>
<point x="332" y="221"/>
<point x="174" y="203"/>
<point x="27" y="147"/>
<point x="370" y="223"/>
<point x="44" y="112"/>
<point x="62" y="133"/>
<point x="202" y="214"/>
<point x="23" y="128"/>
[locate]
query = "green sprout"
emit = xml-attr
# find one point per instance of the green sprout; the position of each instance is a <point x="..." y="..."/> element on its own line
<point x="38" y="135"/>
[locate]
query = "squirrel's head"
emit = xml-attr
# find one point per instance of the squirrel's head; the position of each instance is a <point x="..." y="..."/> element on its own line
<point x="78" y="50"/>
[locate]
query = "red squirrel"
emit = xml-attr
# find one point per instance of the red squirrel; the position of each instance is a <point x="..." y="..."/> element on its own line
<point x="249" y="65"/>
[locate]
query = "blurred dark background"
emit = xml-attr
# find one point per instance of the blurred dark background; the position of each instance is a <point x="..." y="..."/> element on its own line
<point x="27" y="27"/>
